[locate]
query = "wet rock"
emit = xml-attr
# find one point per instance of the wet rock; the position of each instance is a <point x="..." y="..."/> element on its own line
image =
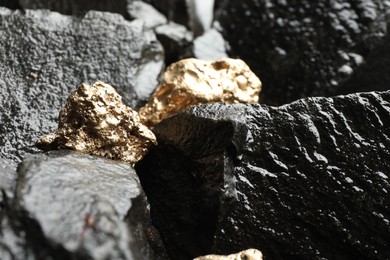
<point x="83" y="207"/>
<point x="44" y="55"/>
<point x="192" y="82"/>
<point x="302" y="181"/>
<point x="307" y="48"/>
<point x="176" y="40"/>
<point x="95" y="121"/>
<point x="249" y="254"/>
<point x="147" y="13"/>
<point x="75" y="7"/>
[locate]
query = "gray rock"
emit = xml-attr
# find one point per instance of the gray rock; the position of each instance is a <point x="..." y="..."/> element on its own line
<point x="83" y="207"/>
<point x="175" y="10"/>
<point x="147" y="13"/>
<point x="309" y="48"/>
<point x="7" y="177"/>
<point x="210" y="46"/>
<point x="308" y="180"/>
<point x="13" y="244"/>
<point x="76" y="7"/>
<point x="45" y="55"/>
<point x="176" y="40"/>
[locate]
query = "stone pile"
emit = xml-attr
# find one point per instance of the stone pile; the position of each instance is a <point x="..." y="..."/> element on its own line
<point x="302" y="175"/>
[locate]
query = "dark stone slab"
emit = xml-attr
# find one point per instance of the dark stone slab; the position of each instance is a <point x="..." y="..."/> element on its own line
<point x="308" y="180"/>
<point x="82" y="207"/>
<point x="309" y="48"/>
<point x="45" y="55"/>
<point x="76" y="7"/>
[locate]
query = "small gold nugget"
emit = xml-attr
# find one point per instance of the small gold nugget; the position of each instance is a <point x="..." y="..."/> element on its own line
<point x="192" y="82"/>
<point x="95" y="121"/>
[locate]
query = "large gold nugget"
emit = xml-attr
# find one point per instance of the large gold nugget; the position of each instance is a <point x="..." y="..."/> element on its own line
<point x="192" y="82"/>
<point x="249" y="254"/>
<point x="95" y="121"/>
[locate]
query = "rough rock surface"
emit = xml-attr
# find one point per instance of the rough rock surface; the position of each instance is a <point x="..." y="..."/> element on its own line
<point x="302" y="181"/>
<point x="82" y="207"/>
<point x="44" y="55"/>
<point x="192" y="82"/>
<point x="95" y="121"/>
<point x="249" y="254"/>
<point x="76" y="7"/>
<point x="308" y="48"/>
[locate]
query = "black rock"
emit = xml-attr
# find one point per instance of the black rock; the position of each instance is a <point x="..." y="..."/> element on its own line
<point x="308" y="48"/>
<point x="308" y="180"/>
<point x="76" y="7"/>
<point x="13" y="4"/>
<point x="82" y="207"/>
<point x="45" y="55"/>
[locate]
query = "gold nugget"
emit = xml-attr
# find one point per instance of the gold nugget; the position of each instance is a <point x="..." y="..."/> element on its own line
<point x="249" y="254"/>
<point x="192" y="82"/>
<point x="95" y="121"/>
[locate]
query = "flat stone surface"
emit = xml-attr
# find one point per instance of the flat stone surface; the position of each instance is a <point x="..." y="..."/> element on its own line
<point x="85" y="206"/>
<point x="45" y="55"/>
<point x="302" y="181"/>
<point x="309" y="48"/>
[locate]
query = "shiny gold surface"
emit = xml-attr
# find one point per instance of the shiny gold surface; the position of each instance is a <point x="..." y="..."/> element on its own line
<point x="192" y="82"/>
<point x="95" y="121"/>
<point x="249" y="254"/>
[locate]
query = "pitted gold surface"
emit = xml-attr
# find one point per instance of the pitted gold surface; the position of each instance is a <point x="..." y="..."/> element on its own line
<point x="249" y="254"/>
<point x="192" y="82"/>
<point x="95" y="121"/>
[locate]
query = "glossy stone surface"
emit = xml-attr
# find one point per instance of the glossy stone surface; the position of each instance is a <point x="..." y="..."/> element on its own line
<point x="82" y="207"/>
<point x="95" y="121"/>
<point x="302" y="181"/>
<point x="309" y="48"/>
<point x="44" y="55"/>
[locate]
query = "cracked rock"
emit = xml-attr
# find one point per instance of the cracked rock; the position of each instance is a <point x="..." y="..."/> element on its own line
<point x="44" y="55"/>
<point x="309" y="48"/>
<point x="95" y="121"/>
<point x="301" y="181"/>
<point x="192" y="82"/>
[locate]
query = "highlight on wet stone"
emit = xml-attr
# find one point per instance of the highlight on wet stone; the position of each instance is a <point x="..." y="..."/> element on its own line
<point x="192" y="82"/>
<point x="95" y="121"/>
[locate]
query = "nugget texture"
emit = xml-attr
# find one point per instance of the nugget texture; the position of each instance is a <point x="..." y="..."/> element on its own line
<point x="95" y="121"/>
